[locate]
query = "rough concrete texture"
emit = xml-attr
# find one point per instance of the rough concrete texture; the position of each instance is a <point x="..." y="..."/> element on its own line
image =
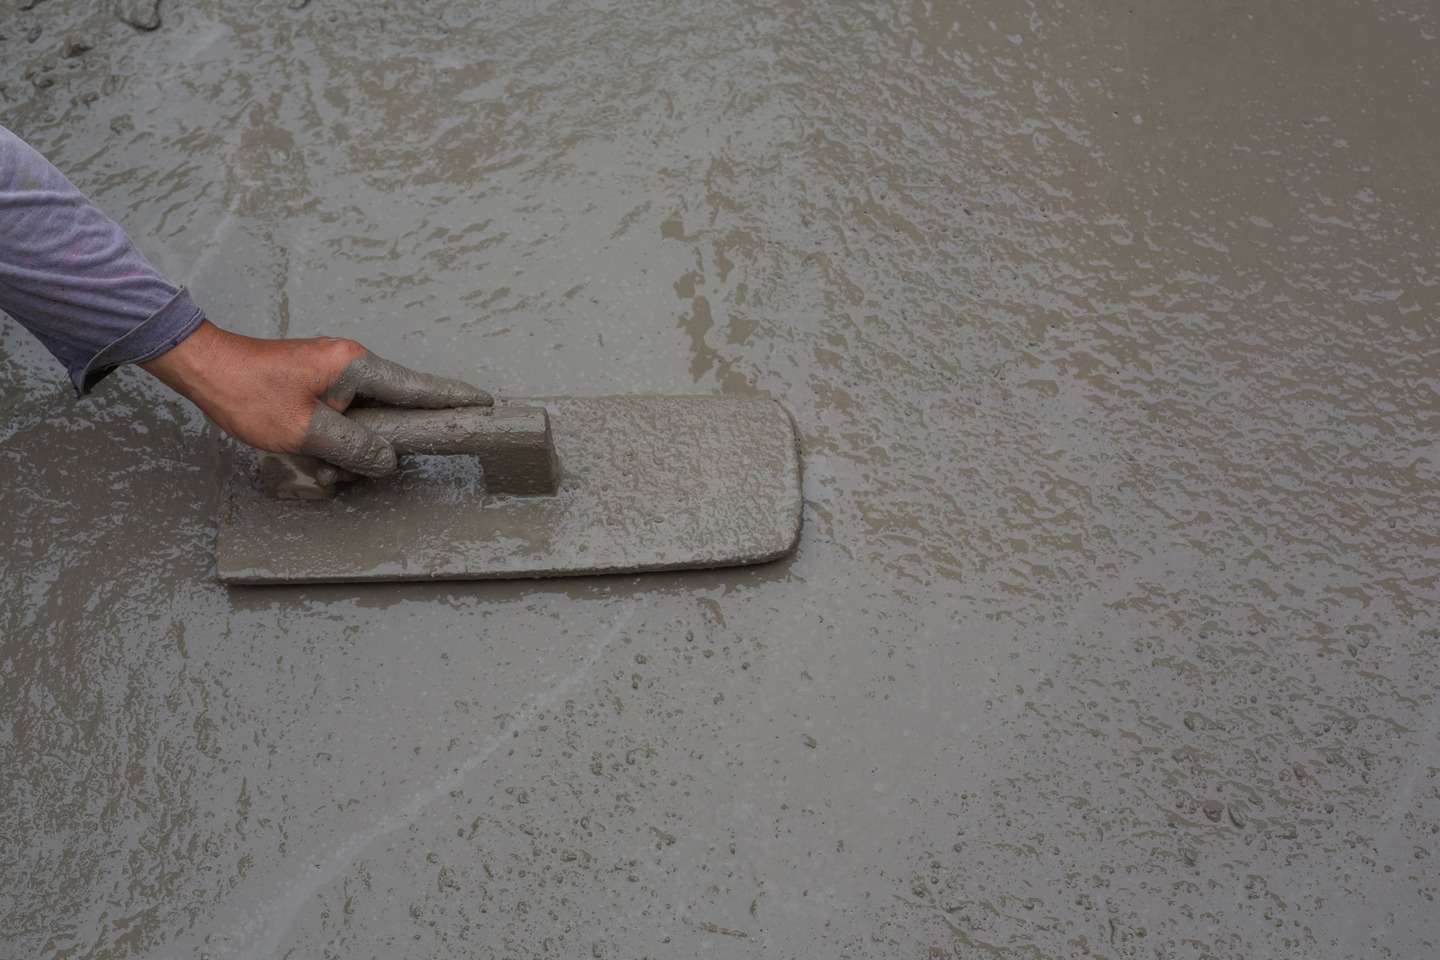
<point x="647" y="483"/>
<point x="141" y="14"/>
<point x="1111" y="332"/>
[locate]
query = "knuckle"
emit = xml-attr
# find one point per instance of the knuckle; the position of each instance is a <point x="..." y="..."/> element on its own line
<point x="378" y="459"/>
<point x="337" y="351"/>
<point x="347" y="350"/>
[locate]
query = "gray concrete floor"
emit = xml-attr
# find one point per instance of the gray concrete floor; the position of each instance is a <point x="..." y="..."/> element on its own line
<point x="1113" y="334"/>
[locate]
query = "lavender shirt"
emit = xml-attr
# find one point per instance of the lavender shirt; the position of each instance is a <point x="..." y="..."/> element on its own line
<point x="70" y="275"/>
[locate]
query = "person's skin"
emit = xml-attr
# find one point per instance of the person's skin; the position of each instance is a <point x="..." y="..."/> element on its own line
<point x="287" y="396"/>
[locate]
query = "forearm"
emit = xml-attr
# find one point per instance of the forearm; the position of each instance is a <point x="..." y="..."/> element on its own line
<point x="69" y="274"/>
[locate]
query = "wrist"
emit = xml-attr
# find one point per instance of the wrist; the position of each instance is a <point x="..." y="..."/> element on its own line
<point x="187" y="366"/>
<point x="261" y="392"/>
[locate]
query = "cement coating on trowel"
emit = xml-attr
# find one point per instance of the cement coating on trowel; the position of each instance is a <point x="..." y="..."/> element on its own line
<point x="648" y="483"/>
<point x="511" y="443"/>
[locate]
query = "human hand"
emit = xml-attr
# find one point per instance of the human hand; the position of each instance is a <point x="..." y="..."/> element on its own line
<point x="288" y="396"/>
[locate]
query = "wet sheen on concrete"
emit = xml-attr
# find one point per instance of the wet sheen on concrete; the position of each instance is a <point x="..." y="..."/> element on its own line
<point x="1111" y="331"/>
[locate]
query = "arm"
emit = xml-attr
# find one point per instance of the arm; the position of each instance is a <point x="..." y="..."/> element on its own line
<point x="70" y="275"/>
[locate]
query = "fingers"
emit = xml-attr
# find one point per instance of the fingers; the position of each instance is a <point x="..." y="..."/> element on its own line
<point x="349" y="447"/>
<point x="388" y="382"/>
<point x="342" y="442"/>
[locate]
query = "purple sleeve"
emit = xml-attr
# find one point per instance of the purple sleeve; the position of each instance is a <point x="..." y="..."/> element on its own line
<point x="70" y="275"/>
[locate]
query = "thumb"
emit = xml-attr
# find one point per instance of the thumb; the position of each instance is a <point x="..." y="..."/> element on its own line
<point x="336" y="439"/>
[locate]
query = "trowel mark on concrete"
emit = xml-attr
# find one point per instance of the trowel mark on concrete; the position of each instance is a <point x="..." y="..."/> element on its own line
<point x="266" y="928"/>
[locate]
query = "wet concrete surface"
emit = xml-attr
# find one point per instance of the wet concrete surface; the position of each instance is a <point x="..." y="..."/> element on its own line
<point x="1111" y="330"/>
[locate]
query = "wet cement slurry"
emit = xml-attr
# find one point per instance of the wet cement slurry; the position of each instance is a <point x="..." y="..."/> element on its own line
<point x="1111" y="330"/>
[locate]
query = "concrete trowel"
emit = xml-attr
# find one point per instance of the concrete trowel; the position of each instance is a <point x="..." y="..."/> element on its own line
<point x="535" y="488"/>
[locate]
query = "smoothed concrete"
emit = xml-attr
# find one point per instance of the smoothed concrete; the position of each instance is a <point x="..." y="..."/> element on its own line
<point x="649" y="483"/>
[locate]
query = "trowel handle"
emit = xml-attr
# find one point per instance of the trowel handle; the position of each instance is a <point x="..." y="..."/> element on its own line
<point x="478" y="431"/>
<point x="513" y="443"/>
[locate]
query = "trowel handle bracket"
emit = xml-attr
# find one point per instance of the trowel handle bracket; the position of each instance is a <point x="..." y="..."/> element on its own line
<point x="513" y="443"/>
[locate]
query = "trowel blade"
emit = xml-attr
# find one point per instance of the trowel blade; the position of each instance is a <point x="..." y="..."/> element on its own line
<point x="647" y="483"/>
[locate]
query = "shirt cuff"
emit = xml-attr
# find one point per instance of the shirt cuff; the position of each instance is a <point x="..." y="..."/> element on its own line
<point x="159" y="332"/>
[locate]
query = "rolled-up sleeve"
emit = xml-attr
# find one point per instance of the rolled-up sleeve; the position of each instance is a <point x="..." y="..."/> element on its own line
<point x="70" y="275"/>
